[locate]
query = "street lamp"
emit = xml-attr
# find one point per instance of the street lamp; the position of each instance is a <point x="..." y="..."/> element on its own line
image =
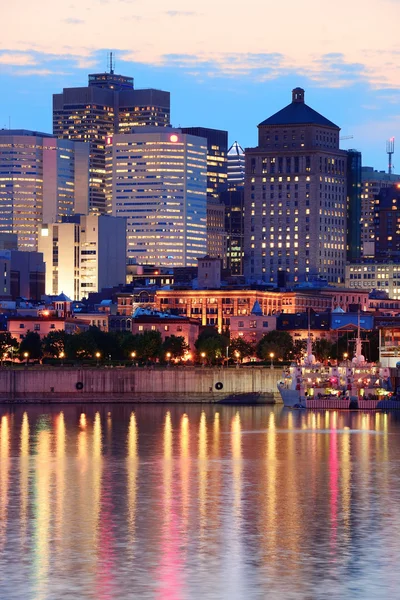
<point x="237" y="354"/>
<point x="203" y="356"/>
<point x="26" y="356"/>
<point x="62" y="354"/>
<point x="168" y="355"/>
<point x="345" y="357"/>
<point x="98" y="356"/>
<point x="133" y="355"/>
<point x="271" y="355"/>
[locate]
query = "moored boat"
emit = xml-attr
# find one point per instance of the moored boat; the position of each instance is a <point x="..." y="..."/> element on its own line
<point x="352" y="384"/>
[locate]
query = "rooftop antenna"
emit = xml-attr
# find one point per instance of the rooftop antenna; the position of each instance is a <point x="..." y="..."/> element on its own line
<point x="390" y="152"/>
<point x="111" y="63"/>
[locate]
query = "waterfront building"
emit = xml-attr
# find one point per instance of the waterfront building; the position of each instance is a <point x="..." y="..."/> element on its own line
<point x="156" y="179"/>
<point x="372" y="183"/>
<point x="108" y="104"/>
<point x="217" y="307"/>
<point x="20" y="325"/>
<point x="150" y="320"/>
<point x="354" y="193"/>
<point x="252" y="327"/>
<point x="84" y="254"/>
<point x="41" y="177"/>
<point x="236" y="166"/>
<point x="295" y="198"/>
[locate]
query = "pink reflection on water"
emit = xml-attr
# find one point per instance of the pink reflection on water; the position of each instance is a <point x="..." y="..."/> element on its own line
<point x="170" y="569"/>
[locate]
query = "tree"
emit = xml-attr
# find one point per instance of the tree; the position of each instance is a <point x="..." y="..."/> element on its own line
<point x="148" y="345"/>
<point x="245" y="349"/>
<point x="54" y="343"/>
<point x="80" y="345"/>
<point x="279" y="343"/>
<point x="212" y="343"/>
<point x="32" y="345"/>
<point x="7" y="343"/>
<point x="175" y="345"/>
<point x="299" y="348"/>
<point x="322" y="349"/>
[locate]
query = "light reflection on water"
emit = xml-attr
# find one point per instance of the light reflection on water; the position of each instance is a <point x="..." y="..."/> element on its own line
<point x="104" y="502"/>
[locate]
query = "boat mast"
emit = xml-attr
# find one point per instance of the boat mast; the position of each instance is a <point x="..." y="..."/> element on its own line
<point x="358" y="352"/>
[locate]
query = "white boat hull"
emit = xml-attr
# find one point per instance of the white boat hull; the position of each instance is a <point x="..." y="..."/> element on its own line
<point x="289" y="397"/>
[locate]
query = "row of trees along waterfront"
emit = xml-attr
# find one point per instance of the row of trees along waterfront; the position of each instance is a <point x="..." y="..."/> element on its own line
<point x="211" y="347"/>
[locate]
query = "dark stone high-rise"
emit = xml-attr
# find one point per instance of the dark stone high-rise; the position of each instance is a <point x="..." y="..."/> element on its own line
<point x="295" y="198"/>
<point x="108" y="104"/>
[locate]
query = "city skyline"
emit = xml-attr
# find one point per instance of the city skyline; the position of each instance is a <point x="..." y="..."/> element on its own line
<point x="350" y="71"/>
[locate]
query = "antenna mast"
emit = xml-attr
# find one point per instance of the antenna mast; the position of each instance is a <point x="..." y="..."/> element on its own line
<point x="111" y="65"/>
<point x="390" y="152"/>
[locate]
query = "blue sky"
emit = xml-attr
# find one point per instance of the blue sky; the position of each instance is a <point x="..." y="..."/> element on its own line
<point x="224" y="67"/>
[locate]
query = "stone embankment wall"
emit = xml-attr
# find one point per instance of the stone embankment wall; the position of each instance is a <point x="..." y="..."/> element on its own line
<point x="38" y="384"/>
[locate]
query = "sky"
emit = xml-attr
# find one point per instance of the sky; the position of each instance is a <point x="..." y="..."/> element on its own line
<point x="228" y="65"/>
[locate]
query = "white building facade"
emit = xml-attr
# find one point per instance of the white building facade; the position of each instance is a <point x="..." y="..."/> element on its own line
<point x="41" y="178"/>
<point x="157" y="180"/>
<point x="84" y="255"/>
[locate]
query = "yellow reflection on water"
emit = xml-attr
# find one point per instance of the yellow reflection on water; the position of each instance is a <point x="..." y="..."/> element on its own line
<point x="216" y="435"/>
<point x="185" y="469"/>
<point x="132" y="466"/>
<point x="4" y="477"/>
<point x="167" y="470"/>
<point x="24" y="477"/>
<point x="42" y="512"/>
<point x="60" y="468"/>
<point x="270" y="525"/>
<point x="202" y="472"/>
<point x="236" y="445"/>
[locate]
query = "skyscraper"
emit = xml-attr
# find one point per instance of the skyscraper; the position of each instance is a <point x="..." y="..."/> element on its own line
<point x="372" y="183"/>
<point x="236" y="166"/>
<point x="40" y="177"/>
<point x="109" y="104"/>
<point x="217" y="177"/>
<point x="295" y="198"/>
<point x="83" y="254"/>
<point x="354" y="192"/>
<point x="233" y="199"/>
<point x="157" y="179"/>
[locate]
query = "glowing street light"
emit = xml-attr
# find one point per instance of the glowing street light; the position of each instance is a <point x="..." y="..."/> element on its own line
<point x="26" y="356"/>
<point x="168" y="355"/>
<point x="203" y="356"/>
<point x="98" y="357"/>
<point x="133" y="356"/>
<point x="271" y="355"/>
<point x="237" y="354"/>
<point x="62" y="355"/>
<point x="345" y="356"/>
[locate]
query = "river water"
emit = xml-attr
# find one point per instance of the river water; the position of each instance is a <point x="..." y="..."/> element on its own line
<point x="180" y="502"/>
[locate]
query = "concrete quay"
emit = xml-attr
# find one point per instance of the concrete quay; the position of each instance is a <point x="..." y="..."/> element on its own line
<point x="136" y="385"/>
